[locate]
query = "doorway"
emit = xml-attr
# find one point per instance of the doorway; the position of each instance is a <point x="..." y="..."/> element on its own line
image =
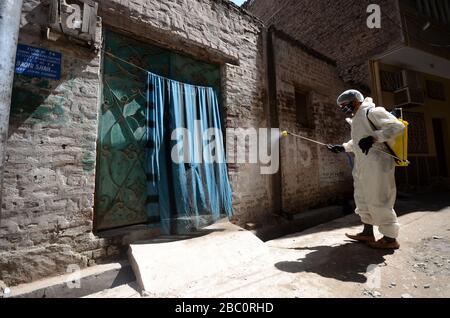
<point x="439" y="141"/>
<point x="121" y="180"/>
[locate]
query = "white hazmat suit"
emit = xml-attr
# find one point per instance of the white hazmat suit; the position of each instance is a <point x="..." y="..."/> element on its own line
<point x="374" y="174"/>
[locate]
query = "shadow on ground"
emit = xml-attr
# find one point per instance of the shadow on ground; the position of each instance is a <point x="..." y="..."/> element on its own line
<point x="433" y="202"/>
<point x="348" y="263"/>
<point x="430" y="202"/>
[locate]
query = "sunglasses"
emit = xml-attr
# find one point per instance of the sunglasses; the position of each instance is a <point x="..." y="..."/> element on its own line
<point x="347" y="107"/>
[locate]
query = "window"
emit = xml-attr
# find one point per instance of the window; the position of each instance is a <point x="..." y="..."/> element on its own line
<point x="435" y="90"/>
<point x="302" y="108"/>
<point x="390" y="81"/>
<point x="417" y="133"/>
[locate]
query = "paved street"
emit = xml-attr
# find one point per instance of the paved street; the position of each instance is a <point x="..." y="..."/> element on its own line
<point x="321" y="262"/>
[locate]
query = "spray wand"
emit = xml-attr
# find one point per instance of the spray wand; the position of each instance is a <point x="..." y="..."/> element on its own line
<point x="285" y="133"/>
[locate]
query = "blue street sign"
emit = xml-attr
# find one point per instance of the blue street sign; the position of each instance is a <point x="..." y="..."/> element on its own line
<point x="37" y="62"/>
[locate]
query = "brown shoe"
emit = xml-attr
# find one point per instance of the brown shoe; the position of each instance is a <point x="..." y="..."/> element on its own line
<point x="382" y="244"/>
<point x="361" y="237"/>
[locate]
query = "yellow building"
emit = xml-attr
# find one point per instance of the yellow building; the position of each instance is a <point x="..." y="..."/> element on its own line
<point x="413" y="73"/>
<point x="425" y="100"/>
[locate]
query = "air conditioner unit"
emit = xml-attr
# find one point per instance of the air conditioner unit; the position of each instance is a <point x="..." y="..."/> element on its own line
<point x="412" y="93"/>
<point x="407" y="96"/>
<point x="411" y="79"/>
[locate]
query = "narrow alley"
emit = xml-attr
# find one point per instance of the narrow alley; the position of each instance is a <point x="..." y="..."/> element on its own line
<point x="224" y="149"/>
<point x="321" y="262"/>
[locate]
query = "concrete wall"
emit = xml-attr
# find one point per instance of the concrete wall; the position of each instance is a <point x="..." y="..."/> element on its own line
<point x="337" y="29"/>
<point x="311" y="175"/>
<point x="46" y="218"/>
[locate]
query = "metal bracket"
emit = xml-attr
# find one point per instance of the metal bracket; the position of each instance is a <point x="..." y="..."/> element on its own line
<point x="74" y="19"/>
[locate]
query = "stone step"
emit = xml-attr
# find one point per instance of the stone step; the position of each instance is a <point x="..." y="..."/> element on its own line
<point x="91" y="280"/>
<point x="130" y="290"/>
<point x="166" y="268"/>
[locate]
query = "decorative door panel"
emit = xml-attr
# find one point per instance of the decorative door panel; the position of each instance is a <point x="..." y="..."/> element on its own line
<point x="121" y="182"/>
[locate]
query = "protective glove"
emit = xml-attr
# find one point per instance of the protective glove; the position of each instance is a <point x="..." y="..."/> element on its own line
<point x="336" y="148"/>
<point x="365" y="144"/>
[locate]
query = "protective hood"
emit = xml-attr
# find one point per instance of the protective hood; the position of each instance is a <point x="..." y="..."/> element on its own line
<point x="368" y="103"/>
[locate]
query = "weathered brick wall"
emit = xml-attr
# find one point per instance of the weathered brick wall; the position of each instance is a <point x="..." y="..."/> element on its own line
<point x="46" y="219"/>
<point x="48" y="190"/>
<point x="311" y="175"/>
<point x="336" y="28"/>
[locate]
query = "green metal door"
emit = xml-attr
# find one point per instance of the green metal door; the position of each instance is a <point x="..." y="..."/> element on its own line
<point x="121" y="192"/>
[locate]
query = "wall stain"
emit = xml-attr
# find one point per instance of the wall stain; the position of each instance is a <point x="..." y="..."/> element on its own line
<point x="33" y="101"/>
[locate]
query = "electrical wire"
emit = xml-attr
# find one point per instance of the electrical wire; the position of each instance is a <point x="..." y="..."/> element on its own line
<point x="124" y="61"/>
<point x="145" y="70"/>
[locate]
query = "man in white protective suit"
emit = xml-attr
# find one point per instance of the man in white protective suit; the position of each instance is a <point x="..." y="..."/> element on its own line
<point x="374" y="171"/>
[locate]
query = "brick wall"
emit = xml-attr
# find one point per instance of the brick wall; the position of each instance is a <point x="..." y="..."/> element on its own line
<point x="48" y="190"/>
<point x="46" y="218"/>
<point x="311" y="175"/>
<point x="336" y="28"/>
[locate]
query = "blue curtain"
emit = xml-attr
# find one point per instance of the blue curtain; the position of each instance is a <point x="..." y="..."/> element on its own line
<point x="188" y="184"/>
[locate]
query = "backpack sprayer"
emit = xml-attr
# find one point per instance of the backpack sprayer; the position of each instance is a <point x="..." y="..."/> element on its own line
<point x="286" y="133"/>
<point x="398" y="148"/>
